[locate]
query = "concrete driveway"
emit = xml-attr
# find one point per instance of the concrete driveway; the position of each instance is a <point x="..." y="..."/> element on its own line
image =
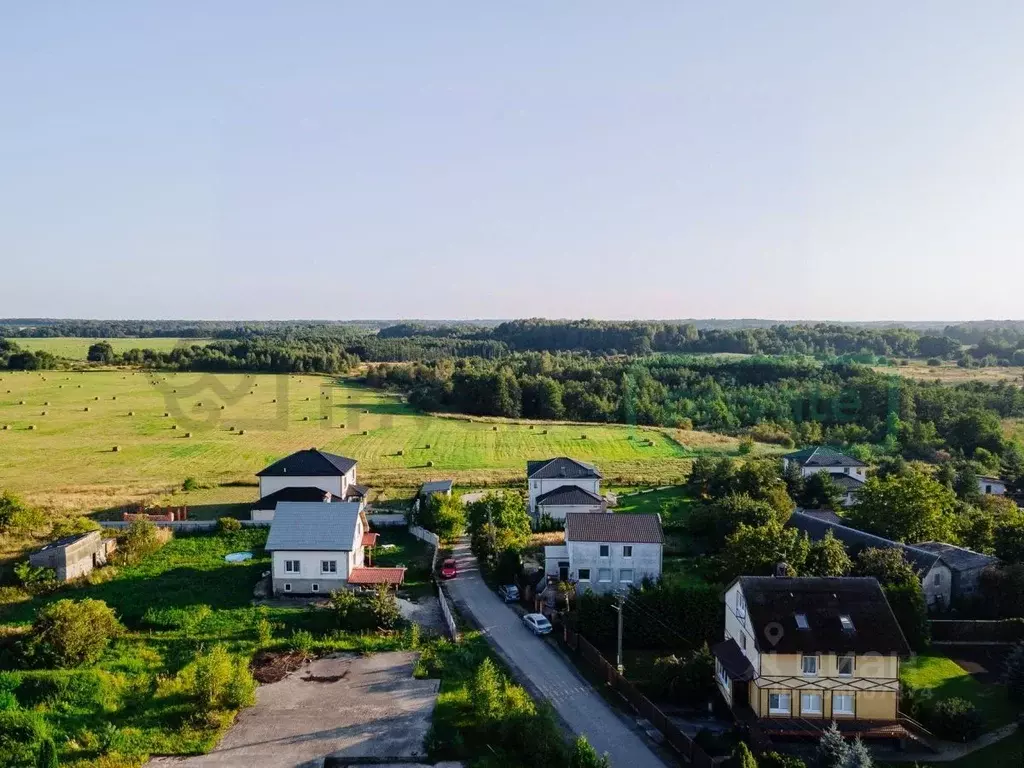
<point x="579" y="705"/>
<point x="347" y="706"/>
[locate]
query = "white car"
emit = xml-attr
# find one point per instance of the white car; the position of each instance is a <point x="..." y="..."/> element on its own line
<point x="537" y="623"/>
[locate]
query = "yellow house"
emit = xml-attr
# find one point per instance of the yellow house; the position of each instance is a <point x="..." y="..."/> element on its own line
<point x="810" y="649"/>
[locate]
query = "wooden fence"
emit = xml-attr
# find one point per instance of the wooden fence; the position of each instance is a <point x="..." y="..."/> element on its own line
<point x="679" y="741"/>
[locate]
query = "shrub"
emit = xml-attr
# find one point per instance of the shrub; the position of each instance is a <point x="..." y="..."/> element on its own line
<point x="140" y="540"/>
<point x="302" y="642"/>
<point x="585" y="756"/>
<point x="229" y="525"/>
<point x="746" y="445"/>
<point x="70" y="633"/>
<point x="345" y="604"/>
<point x="21" y="734"/>
<point x="47" y="754"/>
<point x="384" y="606"/>
<point x="954" y="719"/>
<point x="190" y="484"/>
<point x="216" y="681"/>
<point x="778" y="760"/>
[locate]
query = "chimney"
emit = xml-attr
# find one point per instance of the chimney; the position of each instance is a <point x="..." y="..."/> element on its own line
<point x="781" y="570"/>
<point x="327" y="497"/>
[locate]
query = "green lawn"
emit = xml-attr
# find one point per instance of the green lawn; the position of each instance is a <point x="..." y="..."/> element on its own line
<point x="68" y="463"/>
<point x="406" y="550"/>
<point x="76" y="348"/>
<point x="673" y="503"/>
<point x="946" y="679"/>
<point x="182" y="598"/>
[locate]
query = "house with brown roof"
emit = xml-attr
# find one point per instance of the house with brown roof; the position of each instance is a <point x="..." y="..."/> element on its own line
<point x="799" y="653"/>
<point x="607" y="552"/>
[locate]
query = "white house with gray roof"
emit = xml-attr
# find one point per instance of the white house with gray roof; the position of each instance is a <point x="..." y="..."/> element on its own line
<point x="317" y="547"/>
<point x="553" y="481"/>
<point x="607" y="552"/>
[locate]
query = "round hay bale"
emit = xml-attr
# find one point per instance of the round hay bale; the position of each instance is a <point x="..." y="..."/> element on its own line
<point x="544" y="432"/>
<point x="241" y="431"/>
<point x="494" y="429"/>
<point x="366" y="410"/>
<point x="79" y="386"/>
<point x="166" y="414"/>
<point x="231" y="428"/>
<point x="117" y="449"/>
<point x="307" y="399"/>
<point x="131" y="413"/>
<point x="86" y="408"/>
<point x="199" y="404"/>
<point x="324" y="418"/>
<point x="174" y="426"/>
<point x="583" y="436"/>
<point x="96" y="398"/>
<point x="400" y="453"/>
<point x="42" y="413"/>
<point x="427" y="446"/>
<point x="274" y="400"/>
<point x="21" y="402"/>
<point x="31" y="426"/>
<point x="366" y="431"/>
<point x="430" y="463"/>
<point x="174" y="391"/>
<point x="113" y="397"/>
<point x="222" y="407"/>
<point x="305" y="418"/>
<point x="188" y="434"/>
<point x="6" y="427"/>
<point x="341" y="426"/>
<point x="47" y="402"/>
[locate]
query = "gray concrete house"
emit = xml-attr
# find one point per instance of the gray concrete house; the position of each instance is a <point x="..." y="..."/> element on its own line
<point x="964" y="564"/>
<point x="936" y="577"/>
<point x="74" y="556"/>
<point x="606" y="552"/>
<point x="547" y="475"/>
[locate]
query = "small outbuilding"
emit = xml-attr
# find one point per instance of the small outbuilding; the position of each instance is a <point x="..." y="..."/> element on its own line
<point x="74" y="556"/>
<point x="436" y="488"/>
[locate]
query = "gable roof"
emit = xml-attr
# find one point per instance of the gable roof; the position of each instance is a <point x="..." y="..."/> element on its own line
<point x="569" y="495"/>
<point x="773" y="603"/>
<point x="303" y="525"/>
<point x="847" y="482"/>
<point x="823" y="456"/>
<point x="958" y="558"/>
<point x="436" y="486"/>
<point x="310" y="463"/>
<point x="561" y="467"/>
<point x="292" y="493"/>
<point x="626" y="528"/>
<point x="816" y="528"/>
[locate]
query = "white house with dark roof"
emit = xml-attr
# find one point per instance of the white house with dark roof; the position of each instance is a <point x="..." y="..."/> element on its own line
<point x="559" y="474"/>
<point x="567" y="499"/>
<point x="607" y="552"/>
<point x="824" y="459"/>
<point x="319" y="547"/>
<point x="991" y="486"/>
<point x="290" y="478"/>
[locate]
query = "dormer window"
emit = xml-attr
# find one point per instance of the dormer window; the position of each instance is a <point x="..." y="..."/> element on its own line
<point x="847" y="623"/>
<point x="801" y="621"/>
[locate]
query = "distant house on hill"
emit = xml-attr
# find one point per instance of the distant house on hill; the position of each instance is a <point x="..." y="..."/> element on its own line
<point x="991" y="486"/>
<point x="286" y="479"/>
<point x="561" y="474"/>
<point x="947" y="572"/>
<point x="847" y="472"/>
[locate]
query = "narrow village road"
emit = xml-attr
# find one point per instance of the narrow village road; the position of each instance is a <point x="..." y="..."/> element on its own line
<point x="579" y="705"/>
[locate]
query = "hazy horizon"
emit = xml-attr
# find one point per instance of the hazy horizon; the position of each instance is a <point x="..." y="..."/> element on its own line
<point x="331" y="161"/>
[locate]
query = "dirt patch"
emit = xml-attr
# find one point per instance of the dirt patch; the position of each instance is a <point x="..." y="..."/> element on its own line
<point x="311" y="678"/>
<point x="272" y="666"/>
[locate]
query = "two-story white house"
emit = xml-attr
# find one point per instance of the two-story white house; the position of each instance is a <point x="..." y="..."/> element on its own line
<point x="801" y="652"/>
<point x="607" y="552"/>
<point x="551" y="481"/>
<point x="318" y="547"/>
<point x="847" y="472"/>
<point x="298" y="476"/>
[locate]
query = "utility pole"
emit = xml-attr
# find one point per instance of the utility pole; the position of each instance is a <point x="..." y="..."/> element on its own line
<point x="618" y="609"/>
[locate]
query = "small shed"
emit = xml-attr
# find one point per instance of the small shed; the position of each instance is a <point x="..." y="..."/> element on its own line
<point x="436" y="488"/>
<point x="74" y="556"/>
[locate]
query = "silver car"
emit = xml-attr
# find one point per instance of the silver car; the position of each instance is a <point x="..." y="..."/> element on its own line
<point x="508" y="592"/>
<point x="537" y="623"/>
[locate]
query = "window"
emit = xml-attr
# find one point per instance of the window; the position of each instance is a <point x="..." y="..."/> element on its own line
<point x="741" y="607"/>
<point x="937" y="579"/>
<point x="328" y="566"/>
<point x="626" y="574"/>
<point x="604" y="574"/>
<point x="743" y="641"/>
<point x="809" y="665"/>
<point x="842" y="703"/>
<point x="291" y="566"/>
<point x="723" y="677"/>
<point x="604" y="550"/>
<point x="536" y="485"/>
<point x="846" y="470"/>
<point x="627" y="551"/>
<point x="847" y="623"/>
<point x="801" y="621"/>
<point x="810" y="703"/>
<point x="778" y="703"/>
<point x="287" y="587"/>
<point x="584" y="574"/>
<point x="315" y="587"/>
<point x="988" y="489"/>
<point x="845" y="665"/>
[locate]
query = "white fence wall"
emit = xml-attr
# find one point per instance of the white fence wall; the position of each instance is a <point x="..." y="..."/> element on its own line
<point x="424" y="535"/>
<point x="185" y="526"/>
<point x="446" y="610"/>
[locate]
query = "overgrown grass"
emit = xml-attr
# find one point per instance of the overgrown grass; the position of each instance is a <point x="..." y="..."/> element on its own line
<point x="181" y="600"/>
<point x="77" y="348"/>
<point x="943" y="678"/>
<point x="387" y="437"/>
<point x="395" y="547"/>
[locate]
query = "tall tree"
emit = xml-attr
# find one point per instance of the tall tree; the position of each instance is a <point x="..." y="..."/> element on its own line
<point x="909" y="507"/>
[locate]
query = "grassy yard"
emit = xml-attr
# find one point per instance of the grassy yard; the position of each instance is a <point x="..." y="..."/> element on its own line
<point x="232" y="425"/>
<point x="944" y="678"/>
<point x="673" y="503"/>
<point x="76" y="348"/>
<point x="396" y="547"/>
<point x="183" y="598"/>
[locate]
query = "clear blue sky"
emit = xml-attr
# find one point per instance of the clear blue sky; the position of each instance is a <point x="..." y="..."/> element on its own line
<point x="853" y="160"/>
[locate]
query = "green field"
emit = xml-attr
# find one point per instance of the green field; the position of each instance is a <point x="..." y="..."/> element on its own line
<point x="68" y="463"/>
<point x="75" y="348"/>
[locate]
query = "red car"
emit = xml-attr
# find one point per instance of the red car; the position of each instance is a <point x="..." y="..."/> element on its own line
<point x="449" y="570"/>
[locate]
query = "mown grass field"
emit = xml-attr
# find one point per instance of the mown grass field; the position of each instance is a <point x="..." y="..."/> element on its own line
<point x="951" y="373"/>
<point x="222" y="429"/>
<point x="76" y="348"/>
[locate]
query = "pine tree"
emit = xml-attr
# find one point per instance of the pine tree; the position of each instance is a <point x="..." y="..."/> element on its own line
<point x="744" y="757"/>
<point x="832" y="749"/>
<point x="857" y="756"/>
<point x="47" y="754"/>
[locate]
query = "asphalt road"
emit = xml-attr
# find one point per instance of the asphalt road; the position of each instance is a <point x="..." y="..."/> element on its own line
<point x="579" y="705"/>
